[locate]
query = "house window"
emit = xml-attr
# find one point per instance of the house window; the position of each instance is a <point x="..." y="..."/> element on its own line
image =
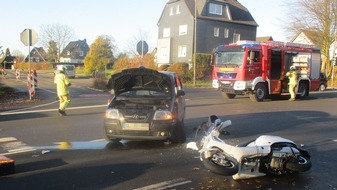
<point x="182" y="51"/>
<point x="166" y="32"/>
<point x="215" y="9"/>
<point x="236" y="37"/>
<point x="81" y="53"/>
<point x="216" y="31"/>
<point x="183" y="29"/>
<point x="171" y="11"/>
<point x="226" y="33"/>
<point x="178" y="9"/>
<point x="68" y="52"/>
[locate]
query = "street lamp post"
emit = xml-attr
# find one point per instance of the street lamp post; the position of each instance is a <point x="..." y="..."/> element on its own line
<point x="195" y="41"/>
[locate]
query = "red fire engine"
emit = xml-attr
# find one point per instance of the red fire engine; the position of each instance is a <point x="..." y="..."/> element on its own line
<point x="259" y="69"/>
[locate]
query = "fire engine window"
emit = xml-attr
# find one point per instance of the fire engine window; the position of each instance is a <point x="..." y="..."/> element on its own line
<point x="276" y="64"/>
<point x="256" y="55"/>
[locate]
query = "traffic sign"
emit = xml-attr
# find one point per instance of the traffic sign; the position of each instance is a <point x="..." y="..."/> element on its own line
<point x="142" y="47"/>
<point x="29" y="37"/>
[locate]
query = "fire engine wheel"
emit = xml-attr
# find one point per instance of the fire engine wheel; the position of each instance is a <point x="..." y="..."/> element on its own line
<point x="228" y="95"/>
<point x="260" y="93"/>
<point x="303" y="90"/>
<point x="322" y="87"/>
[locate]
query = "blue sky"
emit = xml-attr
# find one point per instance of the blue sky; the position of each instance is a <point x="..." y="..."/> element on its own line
<point x="122" y="20"/>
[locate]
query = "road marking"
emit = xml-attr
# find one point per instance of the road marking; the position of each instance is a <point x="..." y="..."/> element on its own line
<point x="22" y="111"/>
<point x="166" y="184"/>
<point x="13" y="146"/>
<point x="7" y="139"/>
<point x="95" y="95"/>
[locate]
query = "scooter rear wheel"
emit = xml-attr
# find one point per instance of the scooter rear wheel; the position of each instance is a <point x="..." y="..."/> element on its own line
<point x="228" y="169"/>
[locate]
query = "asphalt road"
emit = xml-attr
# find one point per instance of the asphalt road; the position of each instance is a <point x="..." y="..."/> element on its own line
<point x="53" y="152"/>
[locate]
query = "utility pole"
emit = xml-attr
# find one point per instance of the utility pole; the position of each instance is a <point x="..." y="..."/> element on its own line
<point x="195" y="41"/>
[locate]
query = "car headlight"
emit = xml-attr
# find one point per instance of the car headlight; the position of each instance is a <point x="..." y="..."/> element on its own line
<point x="162" y="115"/>
<point x="112" y="114"/>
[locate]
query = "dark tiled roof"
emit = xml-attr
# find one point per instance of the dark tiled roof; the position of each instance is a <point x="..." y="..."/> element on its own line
<point x="75" y="46"/>
<point x="239" y="13"/>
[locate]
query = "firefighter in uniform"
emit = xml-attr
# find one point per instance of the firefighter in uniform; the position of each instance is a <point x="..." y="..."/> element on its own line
<point x="62" y="83"/>
<point x="292" y="75"/>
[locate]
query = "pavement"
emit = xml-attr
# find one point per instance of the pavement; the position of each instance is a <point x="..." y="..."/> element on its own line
<point x="16" y="94"/>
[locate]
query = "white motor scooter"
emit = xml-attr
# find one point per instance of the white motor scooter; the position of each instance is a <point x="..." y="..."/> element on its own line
<point x="265" y="155"/>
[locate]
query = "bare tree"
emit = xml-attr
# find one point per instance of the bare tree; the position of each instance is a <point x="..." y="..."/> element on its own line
<point x="58" y="33"/>
<point x="132" y="42"/>
<point x="318" y="19"/>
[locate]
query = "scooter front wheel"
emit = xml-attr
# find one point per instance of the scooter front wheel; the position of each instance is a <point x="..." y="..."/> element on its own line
<point x="301" y="164"/>
<point x="220" y="166"/>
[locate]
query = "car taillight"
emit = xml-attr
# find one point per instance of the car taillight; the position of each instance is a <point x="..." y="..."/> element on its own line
<point x="162" y="115"/>
<point x="112" y="114"/>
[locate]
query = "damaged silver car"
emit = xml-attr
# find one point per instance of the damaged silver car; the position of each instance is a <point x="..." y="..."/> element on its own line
<point x="146" y="105"/>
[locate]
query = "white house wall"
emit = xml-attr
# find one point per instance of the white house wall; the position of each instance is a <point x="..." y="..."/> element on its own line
<point x="164" y="51"/>
<point x="333" y="50"/>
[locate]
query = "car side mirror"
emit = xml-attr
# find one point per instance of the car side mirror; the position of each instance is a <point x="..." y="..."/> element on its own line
<point x="181" y="93"/>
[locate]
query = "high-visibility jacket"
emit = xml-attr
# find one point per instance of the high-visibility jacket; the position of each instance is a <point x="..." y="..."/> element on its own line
<point x="62" y="82"/>
<point x="292" y="75"/>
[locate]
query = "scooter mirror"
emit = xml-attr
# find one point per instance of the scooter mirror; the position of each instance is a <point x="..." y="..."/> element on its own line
<point x="225" y="124"/>
<point x="217" y="122"/>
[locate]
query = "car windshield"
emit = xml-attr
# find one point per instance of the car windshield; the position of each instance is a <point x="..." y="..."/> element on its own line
<point x="143" y="93"/>
<point x="232" y="59"/>
<point x="69" y="67"/>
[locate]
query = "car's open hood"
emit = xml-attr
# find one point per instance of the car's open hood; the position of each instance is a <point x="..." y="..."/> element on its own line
<point x="139" y="79"/>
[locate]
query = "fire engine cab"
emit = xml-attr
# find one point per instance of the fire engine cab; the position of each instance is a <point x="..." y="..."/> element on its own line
<point x="259" y="69"/>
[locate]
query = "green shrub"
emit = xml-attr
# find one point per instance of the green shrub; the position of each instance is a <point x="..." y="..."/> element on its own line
<point x="203" y="69"/>
<point x="182" y="71"/>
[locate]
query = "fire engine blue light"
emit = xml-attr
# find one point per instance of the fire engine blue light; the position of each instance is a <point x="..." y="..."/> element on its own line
<point x="249" y="45"/>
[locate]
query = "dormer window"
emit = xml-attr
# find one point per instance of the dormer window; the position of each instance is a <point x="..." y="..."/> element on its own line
<point x="68" y="52"/>
<point x="171" y="11"/>
<point x="178" y="9"/>
<point x="215" y="9"/>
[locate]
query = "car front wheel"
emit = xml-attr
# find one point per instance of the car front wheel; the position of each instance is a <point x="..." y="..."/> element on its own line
<point x="179" y="135"/>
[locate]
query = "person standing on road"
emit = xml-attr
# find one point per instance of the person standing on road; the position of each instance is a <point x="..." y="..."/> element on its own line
<point x="62" y="83"/>
<point x="292" y="75"/>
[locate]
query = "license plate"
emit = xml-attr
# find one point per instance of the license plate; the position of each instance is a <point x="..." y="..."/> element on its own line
<point x="136" y="126"/>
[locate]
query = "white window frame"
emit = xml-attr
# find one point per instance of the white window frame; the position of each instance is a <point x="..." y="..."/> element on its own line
<point x="216" y="31"/>
<point x="183" y="29"/>
<point x="178" y="9"/>
<point x="226" y="33"/>
<point x="236" y="37"/>
<point x="166" y="32"/>
<point x="215" y="9"/>
<point x="172" y="11"/>
<point x="182" y="51"/>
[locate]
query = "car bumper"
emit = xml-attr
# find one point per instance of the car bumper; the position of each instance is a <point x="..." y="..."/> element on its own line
<point x="156" y="130"/>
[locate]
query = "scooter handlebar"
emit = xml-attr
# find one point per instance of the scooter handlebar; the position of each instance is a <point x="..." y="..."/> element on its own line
<point x="225" y="124"/>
